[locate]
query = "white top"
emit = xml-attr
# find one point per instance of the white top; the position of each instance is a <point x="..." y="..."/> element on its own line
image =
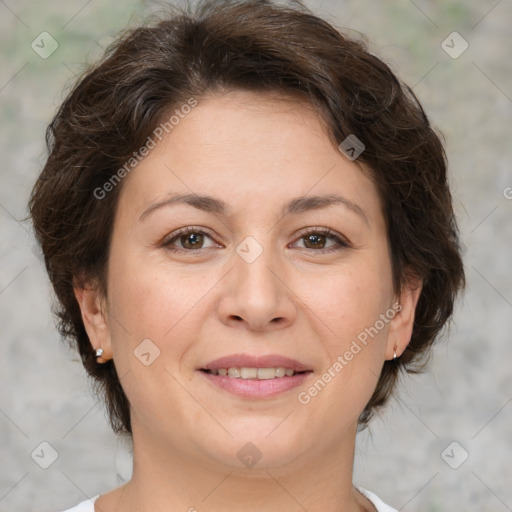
<point x="88" y="505"/>
<point x="375" y="500"/>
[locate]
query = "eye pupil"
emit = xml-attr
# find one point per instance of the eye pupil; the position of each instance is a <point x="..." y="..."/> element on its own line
<point x="192" y="240"/>
<point x="315" y="240"/>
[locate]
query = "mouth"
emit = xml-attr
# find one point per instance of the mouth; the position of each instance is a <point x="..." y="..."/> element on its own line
<point x="247" y="373"/>
<point x="255" y="376"/>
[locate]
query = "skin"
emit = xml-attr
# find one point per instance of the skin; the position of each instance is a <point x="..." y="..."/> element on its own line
<point x="255" y="152"/>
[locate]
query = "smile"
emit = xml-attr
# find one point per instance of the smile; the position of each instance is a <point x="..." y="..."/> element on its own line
<point x="254" y="373"/>
<point x="255" y="383"/>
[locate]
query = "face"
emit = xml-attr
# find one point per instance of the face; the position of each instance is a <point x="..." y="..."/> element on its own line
<point x="245" y="239"/>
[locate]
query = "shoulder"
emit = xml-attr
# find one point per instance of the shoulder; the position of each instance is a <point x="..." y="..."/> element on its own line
<point x="376" y="501"/>
<point x="83" y="506"/>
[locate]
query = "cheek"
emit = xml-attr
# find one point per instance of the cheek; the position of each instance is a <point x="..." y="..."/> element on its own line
<point x="152" y="327"/>
<point x="353" y="352"/>
<point x="155" y="302"/>
<point x="348" y="300"/>
<point x="350" y="304"/>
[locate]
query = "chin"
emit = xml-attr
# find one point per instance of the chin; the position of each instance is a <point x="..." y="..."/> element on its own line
<point x="256" y="449"/>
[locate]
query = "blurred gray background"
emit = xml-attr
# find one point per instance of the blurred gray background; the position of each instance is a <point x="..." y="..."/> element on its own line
<point x="446" y="443"/>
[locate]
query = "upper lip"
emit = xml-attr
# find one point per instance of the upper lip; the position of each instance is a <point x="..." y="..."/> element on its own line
<point x="261" y="361"/>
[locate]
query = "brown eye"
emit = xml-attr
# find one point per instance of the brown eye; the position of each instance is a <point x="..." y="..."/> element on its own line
<point x="314" y="241"/>
<point x="191" y="241"/>
<point x="322" y="240"/>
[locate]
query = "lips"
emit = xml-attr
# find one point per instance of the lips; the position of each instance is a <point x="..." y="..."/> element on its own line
<point x="255" y="377"/>
<point x="249" y="361"/>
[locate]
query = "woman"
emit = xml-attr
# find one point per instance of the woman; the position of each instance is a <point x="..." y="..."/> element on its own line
<point x="246" y="220"/>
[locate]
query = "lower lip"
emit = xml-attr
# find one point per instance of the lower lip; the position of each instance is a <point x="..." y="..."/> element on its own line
<point x="255" y="388"/>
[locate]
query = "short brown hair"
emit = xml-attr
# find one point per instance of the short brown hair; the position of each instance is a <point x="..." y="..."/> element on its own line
<point x="255" y="46"/>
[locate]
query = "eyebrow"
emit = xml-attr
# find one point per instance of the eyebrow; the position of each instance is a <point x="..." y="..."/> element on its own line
<point x="295" y="206"/>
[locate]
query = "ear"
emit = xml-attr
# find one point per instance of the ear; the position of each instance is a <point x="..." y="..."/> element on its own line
<point x="401" y="325"/>
<point x="93" y="308"/>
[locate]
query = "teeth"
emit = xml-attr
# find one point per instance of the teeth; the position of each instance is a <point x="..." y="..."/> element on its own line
<point x="266" y="373"/>
<point x="249" y="373"/>
<point x="255" y="373"/>
<point x="234" y="372"/>
<point x="280" y="372"/>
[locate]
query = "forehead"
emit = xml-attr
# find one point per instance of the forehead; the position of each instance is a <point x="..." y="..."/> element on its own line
<point x="254" y="150"/>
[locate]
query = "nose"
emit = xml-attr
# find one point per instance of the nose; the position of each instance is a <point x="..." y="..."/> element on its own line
<point x="257" y="294"/>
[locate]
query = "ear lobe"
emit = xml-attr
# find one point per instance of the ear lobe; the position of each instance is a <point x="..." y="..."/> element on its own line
<point x="401" y="325"/>
<point x="93" y="308"/>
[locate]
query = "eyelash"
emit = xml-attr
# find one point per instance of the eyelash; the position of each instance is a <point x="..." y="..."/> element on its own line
<point x="328" y="233"/>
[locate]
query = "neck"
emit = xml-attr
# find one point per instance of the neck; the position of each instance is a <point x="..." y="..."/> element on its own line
<point x="172" y="480"/>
